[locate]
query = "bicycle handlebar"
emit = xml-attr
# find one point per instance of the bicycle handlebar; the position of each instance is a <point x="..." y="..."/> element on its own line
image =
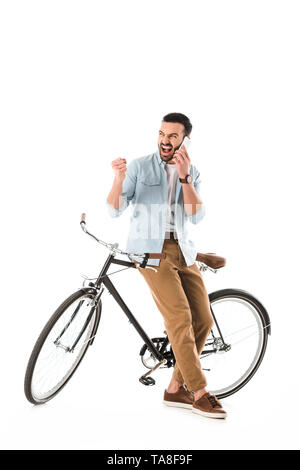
<point x="114" y="247"/>
<point x="206" y="261"/>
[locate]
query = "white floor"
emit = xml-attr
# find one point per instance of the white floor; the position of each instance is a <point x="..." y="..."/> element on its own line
<point x="93" y="412"/>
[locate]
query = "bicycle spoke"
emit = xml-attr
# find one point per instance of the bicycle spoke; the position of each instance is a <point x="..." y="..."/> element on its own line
<point x="54" y="364"/>
<point x="243" y="332"/>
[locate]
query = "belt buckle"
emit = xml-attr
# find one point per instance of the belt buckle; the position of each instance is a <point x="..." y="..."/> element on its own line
<point x="170" y="236"/>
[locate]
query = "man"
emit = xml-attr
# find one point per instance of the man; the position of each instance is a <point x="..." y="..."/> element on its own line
<point x="163" y="188"/>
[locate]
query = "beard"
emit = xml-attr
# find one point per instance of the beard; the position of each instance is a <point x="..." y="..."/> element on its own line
<point x="168" y="158"/>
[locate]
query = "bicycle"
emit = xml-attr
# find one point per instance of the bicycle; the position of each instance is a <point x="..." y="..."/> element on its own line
<point x="229" y="359"/>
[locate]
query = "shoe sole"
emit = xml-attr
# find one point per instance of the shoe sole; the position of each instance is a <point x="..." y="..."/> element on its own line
<point x="178" y="404"/>
<point x="209" y="415"/>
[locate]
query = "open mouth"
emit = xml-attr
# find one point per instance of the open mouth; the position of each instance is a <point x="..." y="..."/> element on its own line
<point x="166" y="149"/>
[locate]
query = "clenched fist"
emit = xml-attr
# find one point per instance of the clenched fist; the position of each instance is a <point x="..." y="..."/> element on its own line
<point x="119" y="167"/>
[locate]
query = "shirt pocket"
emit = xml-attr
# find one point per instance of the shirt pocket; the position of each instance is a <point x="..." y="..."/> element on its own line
<point x="149" y="181"/>
<point x="148" y="188"/>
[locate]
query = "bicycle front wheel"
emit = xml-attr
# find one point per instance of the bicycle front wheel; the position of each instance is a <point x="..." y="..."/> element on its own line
<point x="237" y="343"/>
<point x="61" y="346"/>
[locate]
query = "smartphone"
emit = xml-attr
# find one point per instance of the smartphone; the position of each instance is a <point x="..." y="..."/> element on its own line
<point x="186" y="142"/>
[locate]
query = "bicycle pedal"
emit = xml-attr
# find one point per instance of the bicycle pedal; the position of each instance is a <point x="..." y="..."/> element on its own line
<point x="147" y="380"/>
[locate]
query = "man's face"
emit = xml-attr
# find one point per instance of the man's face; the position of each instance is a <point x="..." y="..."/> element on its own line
<point x="170" y="137"/>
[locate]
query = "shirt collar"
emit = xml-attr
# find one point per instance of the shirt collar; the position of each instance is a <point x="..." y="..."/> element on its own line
<point x="159" y="159"/>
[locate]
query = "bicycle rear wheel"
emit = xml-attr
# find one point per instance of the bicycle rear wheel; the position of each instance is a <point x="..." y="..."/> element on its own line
<point x="61" y="346"/>
<point x="237" y="343"/>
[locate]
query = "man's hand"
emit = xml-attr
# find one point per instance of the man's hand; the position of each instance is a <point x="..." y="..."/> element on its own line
<point x="182" y="161"/>
<point x="120" y="168"/>
<point x="115" y="198"/>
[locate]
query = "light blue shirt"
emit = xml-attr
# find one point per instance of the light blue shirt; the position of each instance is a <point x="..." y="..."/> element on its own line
<point x="146" y="188"/>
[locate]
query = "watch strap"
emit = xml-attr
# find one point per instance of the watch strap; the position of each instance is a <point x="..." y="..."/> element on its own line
<point x="185" y="180"/>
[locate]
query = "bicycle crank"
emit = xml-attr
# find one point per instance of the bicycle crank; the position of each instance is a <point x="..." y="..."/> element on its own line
<point x="145" y="379"/>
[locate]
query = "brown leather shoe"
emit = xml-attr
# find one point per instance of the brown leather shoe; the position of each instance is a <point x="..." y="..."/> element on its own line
<point x="182" y="398"/>
<point x="209" y="406"/>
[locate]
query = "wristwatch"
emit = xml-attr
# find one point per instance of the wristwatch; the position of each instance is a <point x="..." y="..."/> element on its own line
<point x="188" y="179"/>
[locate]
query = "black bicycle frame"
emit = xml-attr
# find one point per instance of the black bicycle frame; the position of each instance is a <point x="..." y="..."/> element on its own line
<point x="103" y="278"/>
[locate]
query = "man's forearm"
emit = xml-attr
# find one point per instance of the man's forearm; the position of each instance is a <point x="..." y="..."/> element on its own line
<point x="192" y="202"/>
<point x="115" y="198"/>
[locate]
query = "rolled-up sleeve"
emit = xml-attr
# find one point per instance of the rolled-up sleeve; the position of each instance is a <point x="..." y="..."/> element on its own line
<point x="128" y="190"/>
<point x="195" y="218"/>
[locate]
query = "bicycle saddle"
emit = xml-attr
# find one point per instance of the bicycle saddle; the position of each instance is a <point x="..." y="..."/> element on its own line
<point x="211" y="259"/>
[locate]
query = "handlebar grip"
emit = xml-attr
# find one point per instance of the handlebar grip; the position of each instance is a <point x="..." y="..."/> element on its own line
<point x="83" y="217"/>
<point x="157" y="255"/>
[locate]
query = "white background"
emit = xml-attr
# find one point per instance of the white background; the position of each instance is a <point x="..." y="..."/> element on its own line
<point x="85" y="82"/>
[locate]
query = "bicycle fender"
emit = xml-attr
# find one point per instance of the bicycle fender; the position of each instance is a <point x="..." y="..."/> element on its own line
<point x="214" y="295"/>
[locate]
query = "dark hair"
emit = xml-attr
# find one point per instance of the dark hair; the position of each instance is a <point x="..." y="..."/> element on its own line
<point x="182" y="119"/>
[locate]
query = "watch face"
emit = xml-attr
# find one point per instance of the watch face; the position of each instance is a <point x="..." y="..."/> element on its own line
<point x="189" y="178"/>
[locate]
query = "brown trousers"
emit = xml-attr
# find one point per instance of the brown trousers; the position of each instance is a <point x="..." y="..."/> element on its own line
<point x="181" y="297"/>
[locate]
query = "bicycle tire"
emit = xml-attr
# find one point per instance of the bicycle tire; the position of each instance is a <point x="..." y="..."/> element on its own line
<point x="43" y="336"/>
<point x="260" y="309"/>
